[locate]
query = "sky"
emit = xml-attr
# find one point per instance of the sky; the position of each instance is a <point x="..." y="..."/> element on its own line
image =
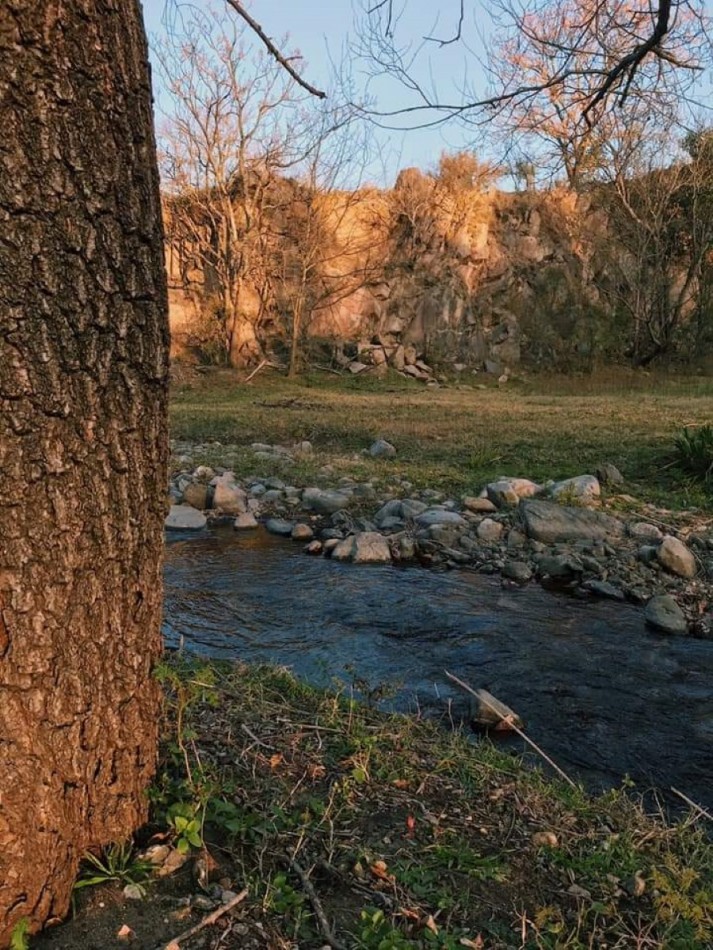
<point x="321" y="30"/>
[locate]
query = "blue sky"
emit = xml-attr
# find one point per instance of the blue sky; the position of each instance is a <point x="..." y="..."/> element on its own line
<point x="321" y="28"/>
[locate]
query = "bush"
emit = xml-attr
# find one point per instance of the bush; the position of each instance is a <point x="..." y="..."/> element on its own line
<point x="694" y="452"/>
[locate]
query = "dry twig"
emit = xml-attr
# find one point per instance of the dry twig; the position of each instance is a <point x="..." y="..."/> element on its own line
<point x="514" y="728"/>
<point x="208" y="921"/>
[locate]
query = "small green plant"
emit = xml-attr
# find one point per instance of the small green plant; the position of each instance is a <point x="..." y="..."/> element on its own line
<point x="184" y="821"/>
<point x="19" y="939"/>
<point x="694" y="452"/>
<point x="117" y="864"/>
<point x="377" y="933"/>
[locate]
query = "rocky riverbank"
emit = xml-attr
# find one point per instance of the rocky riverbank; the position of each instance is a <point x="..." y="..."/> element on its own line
<point x="584" y="534"/>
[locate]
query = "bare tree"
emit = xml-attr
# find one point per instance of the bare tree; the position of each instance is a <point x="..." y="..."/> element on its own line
<point x="655" y="261"/>
<point x="333" y="243"/>
<point x="599" y="54"/>
<point x="550" y="40"/>
<point x="233" y="124"/>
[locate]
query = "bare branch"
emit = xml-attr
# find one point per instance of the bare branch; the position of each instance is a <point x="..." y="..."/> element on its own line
<point x="273" y="50"/>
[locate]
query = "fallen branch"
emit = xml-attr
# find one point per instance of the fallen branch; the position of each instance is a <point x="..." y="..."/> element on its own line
<point x="314" y="900"/>
<point x="511" y="724"/>
<point x="689" y="801"/>
<point x="257" y="369"/>
<point x="207" y="921"/>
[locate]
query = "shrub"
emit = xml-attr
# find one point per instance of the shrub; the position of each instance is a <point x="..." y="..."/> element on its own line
<point x="694" y="452"/>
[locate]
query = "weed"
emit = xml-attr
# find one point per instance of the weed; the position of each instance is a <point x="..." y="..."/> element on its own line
<point x="117" y="863"/>
<point x="694" y="452"/>
<point x="19" y="939"/>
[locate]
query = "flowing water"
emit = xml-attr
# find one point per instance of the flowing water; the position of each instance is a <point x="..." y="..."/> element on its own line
<point x="603" y="696"/>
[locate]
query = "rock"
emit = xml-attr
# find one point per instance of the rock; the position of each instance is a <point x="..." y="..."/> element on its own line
<point x="367" y="547"/>
<point x="489" y="530"/>
<point x="229" y="497"/>
<point x="410" y="355"/>
<point x="398" y="511"/>
<point x="479" y="505"/>
<point x="676" y="557"/>
<point x="314" y="547"/>
<point x="663" y="613"/>
<point x="356" y="367"/>
<point x="507" y="492"/>
<point x="642" y="531"/>
<point x="584" y="489"/>
<point x="398" y="359"/>
<point x="382" y="449"/>
<point x="439" y="516"/>
<point x="516" y="539"/>
<point x="204" y="473"/>
<point x="549" y="522"/>
<point x="488" y="712"/>
<point x="196" y="495"/>
<point x="405" y="548"/>
<point x="184" y="518"/>
<point x="609" y="475"/>
<point x="303" y="448"/>
<point x="245" y="522"/>
<point x="325" y="502"/>
<point x="560" y="566"/>
<point x="648" y="553"/>
<point x="274" y="483"/>
<point x="302" y="532"/>
<point x="279" y="526"/>
<point x="604" y="589"/>
<point x="272" y="496"/>
<point x="517" y="571"/>
<point x="412" y="370"/>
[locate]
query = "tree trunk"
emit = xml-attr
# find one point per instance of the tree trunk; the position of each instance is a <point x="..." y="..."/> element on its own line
<point x="83" y="373"/>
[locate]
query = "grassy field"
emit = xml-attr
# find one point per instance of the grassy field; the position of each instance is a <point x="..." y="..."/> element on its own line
<point x="459" y="436"/>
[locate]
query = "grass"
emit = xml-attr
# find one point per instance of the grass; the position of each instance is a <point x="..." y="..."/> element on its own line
<point x="382" y="832"/>
<point x="458" y="437"/>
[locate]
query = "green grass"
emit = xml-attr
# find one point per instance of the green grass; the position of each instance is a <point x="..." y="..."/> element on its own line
<point x="413" y="837"/>
<point x="458" y="437"/>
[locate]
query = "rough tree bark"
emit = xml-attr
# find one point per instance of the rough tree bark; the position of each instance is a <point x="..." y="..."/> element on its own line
<point x="83" y="371"/>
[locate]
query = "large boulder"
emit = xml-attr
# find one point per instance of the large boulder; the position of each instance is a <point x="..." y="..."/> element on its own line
<point x="367" y="547"/>
<point x="184" y="518"/>
<point x="548" y="522"/>
<point x="676" y="557"/>
<point x="663" y="613"/>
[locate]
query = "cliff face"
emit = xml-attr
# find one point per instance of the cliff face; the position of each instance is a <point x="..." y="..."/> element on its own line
<point x="450" y="274"/>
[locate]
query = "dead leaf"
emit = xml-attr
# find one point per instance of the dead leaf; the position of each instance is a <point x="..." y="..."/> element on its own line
<point x="125" y="932"/>
<point x="545" y="839"/>
<point x="410" y="826"/>
<point x="430" y="924"/>
<point x="379" y="869"/>
<point x="476" y="944"/>
<point x="276" y="759"/>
